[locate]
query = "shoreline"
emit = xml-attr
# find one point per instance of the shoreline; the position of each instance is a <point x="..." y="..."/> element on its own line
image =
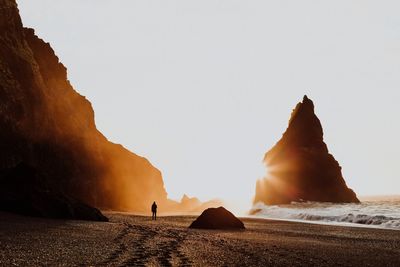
<point x="246" y="217"/>
<point x="328" y="223"/>
<point x="131" y="240"/>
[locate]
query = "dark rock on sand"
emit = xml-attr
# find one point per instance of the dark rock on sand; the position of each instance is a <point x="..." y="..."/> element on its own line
<point x="300" y="168"/>
<point x="217" y="218"/>
<point x="22" y="191"/>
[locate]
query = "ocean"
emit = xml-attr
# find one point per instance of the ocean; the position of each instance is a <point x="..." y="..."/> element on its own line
<point x="377" y="212"/>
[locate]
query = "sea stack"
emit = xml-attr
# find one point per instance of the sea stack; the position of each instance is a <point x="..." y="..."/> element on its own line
<point x="300" y="167"/>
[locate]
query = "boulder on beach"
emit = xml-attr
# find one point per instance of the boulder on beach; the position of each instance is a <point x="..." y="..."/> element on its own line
<point x="217" y="218"/>
<point x="300" y="167"/>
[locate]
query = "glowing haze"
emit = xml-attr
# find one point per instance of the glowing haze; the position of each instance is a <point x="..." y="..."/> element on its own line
<point x="204" y="88"/>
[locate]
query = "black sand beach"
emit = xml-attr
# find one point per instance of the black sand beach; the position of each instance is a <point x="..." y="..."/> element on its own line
<point x="137" y="241"/>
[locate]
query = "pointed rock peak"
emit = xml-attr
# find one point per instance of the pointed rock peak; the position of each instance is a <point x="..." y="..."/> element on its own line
<point x="308" y="102"/>
<point x="303" y="110"/>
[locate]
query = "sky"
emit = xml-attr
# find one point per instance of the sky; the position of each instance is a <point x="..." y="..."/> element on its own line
<point x="204" y="88"/>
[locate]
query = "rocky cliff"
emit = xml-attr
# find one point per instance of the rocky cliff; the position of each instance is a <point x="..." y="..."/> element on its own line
<point x="299" y="166"/>
<point x="47" y="125"/>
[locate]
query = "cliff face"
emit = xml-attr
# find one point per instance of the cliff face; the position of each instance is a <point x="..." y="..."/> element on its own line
<point x="300" y="167"/>
<point x="46" y="124"/>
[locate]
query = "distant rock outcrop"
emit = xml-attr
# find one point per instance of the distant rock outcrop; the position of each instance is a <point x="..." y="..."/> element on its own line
<point x="45" y="123"/>
<point x="217" y="218"/>
<point x="193" y="204"/>
<point x="300" y="167"/>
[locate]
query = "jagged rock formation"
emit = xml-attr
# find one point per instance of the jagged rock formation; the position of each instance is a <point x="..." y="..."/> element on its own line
<point x="194" y="205"/>
<point x="217" y="218"/>
<point x="300" y="167"/>
<point x="46" y="124"/>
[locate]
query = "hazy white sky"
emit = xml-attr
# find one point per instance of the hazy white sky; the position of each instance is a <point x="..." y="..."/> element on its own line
<point x="204" y="88"/>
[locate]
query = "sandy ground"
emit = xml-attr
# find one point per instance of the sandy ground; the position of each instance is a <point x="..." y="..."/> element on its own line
<point x="138" y="241"/>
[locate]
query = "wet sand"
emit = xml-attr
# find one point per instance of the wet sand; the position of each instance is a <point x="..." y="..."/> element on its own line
<point x="137" y="241"/>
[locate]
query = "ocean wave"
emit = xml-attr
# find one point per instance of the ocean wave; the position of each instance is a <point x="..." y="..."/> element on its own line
<point x="381" y="214"/>
<point x="351" y="218"/>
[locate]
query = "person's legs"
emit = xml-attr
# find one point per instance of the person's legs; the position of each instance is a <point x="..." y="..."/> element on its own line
<point x="155" y="216"/>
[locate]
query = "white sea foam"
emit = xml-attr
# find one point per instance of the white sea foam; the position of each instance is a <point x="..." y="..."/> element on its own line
<point x="380" y="213"/>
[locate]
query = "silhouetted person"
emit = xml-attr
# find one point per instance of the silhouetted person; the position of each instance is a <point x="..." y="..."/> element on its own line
<point x="154" y="211"/>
